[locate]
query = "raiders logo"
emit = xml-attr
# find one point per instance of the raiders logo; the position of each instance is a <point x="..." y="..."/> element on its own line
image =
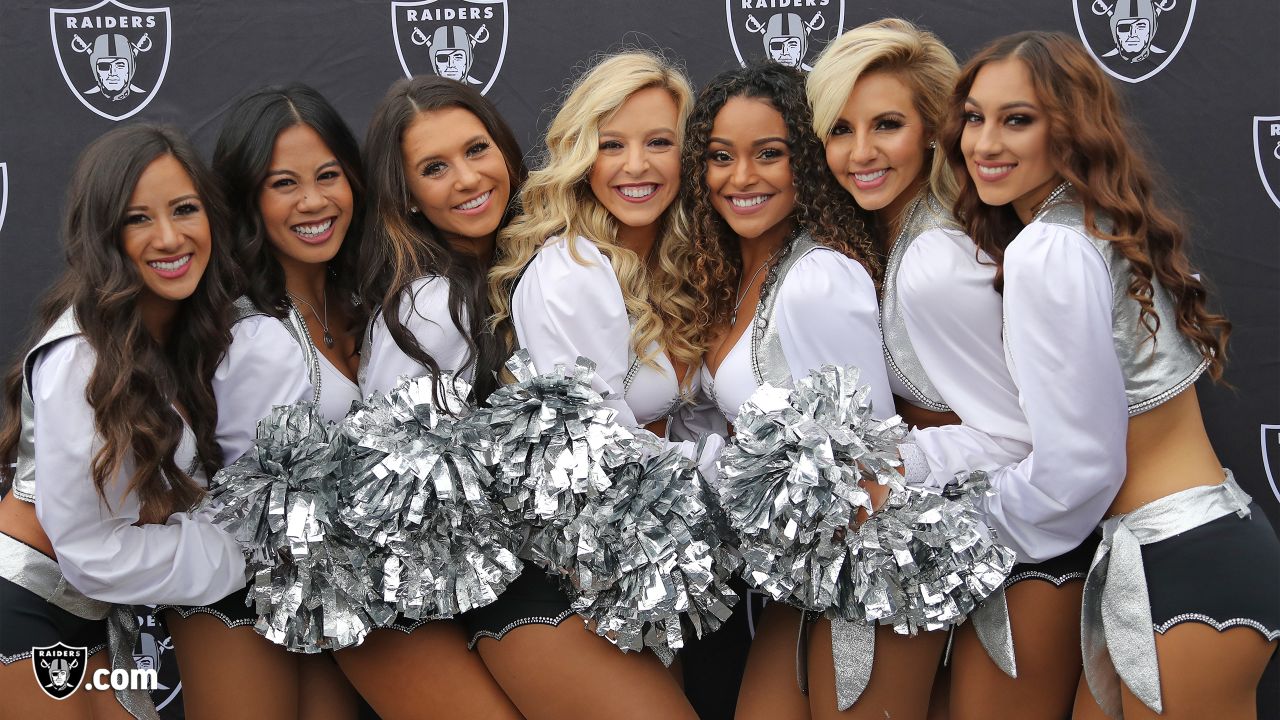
<point x="148" y="654"/>
<point x="463" y="40"/>
<point x="1266" y="151"/>
<point x="59" y="669"/>
<point x="793" y="32"/>
<point x="1271" y="456"/>
<point x="113" y="56"/>
<point x="1133" y="39"/>
<point x="4" y="191"/>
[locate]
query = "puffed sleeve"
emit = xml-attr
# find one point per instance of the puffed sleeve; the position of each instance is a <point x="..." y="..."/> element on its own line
<point x="563" y="308"/>
<point x="1058" y="305"/>
<point x="263" y="367"/>
<point x="424" y="311"/>
<point x="827" y="313"/>
<point x="100" y="549"/>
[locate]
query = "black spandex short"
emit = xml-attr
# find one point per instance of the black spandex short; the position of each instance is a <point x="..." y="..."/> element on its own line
<point x="1071" y="565"/>
<point x="534" y="597"/>
<point x="29" y="621"/>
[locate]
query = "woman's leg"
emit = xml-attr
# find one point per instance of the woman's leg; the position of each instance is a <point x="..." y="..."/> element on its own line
<point x="231" y="672"/>
<point x="1045" y="620"/>
<point x="1204" y="673"/>
<point x="769" y="689"/>
<point x="553" y="672"/>
<point x="901" y="675"/>
<point x="428" y="673"/>
<point x="324" y="693"/>
<point x="23" y="698"/>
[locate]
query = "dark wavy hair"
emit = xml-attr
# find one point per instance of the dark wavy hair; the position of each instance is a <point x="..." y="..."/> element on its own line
<point x="241" y="160"/>
<point x="404" y="246"/>
<point x="1090" y="148"/>
<point x="136" y="379"/>
<point x="823" y="208"/>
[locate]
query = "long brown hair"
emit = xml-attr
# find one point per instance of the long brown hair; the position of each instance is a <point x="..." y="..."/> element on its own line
<point x="823" y="208"/>
<point x="402" y="247"/>
<point x="135" y="379"/>
<point x="1089" y="143"/>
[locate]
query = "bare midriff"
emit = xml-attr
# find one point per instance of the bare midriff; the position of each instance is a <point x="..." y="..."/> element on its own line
<point x="18" y="521"/>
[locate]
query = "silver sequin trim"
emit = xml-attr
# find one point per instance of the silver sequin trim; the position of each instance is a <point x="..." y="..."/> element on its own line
<point x="187" y="612"/>
<point x="535" y="620"/>
<point x="1057" y="580"/>
<point x="1163" y="627"/>
<point x="11" y="659"/>
<point x="407" y="629"/>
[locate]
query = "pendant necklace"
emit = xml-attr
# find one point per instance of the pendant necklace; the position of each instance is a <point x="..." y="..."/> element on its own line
<point x="324" y="324"/>
<point x="742" y="291"/>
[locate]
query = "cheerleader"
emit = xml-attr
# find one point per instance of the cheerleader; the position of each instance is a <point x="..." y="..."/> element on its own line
<point x="1107" y="330"/>
<point x="596" y="266"/>
<point x="111" y="421"/>
<point x="291" y="173"/>
<point x="879" y="95"/>
<point x="443" y="168"/>
<point x="772" y="234"/>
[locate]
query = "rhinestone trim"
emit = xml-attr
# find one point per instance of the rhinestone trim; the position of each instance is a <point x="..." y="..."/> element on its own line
<point x="535" y="620"/>
<point x="1057" y="580"/>
<point x="1164" y="627"/>
<point x="188" y="611"/>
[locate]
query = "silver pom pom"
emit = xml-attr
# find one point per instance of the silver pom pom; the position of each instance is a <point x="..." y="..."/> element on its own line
<point x="646" y="557"/>
<point x="790" y="488"/>
<point x="313" y="581"/>
<point x="411" y="488"/>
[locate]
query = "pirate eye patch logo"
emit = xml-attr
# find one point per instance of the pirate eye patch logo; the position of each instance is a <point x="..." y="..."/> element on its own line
<point x="463" y="40"/>
<point x="59" y="669"/>
<point x="1133" y="39"/>
<point x="792" y="32"/>
<point x="1266" y="152"/>
<point x="113" y="56"/>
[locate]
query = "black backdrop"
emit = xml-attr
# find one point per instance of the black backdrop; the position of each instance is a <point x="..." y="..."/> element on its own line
<point x="1202" y="79"/>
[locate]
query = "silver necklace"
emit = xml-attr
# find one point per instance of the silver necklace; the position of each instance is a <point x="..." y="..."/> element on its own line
<point x="1054" y="195"/>
<point x="324" y="324"/>
<point x="742" y="291"/>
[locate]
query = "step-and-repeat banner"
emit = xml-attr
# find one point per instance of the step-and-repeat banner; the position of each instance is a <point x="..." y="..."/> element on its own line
<point x="1202" y="78"/>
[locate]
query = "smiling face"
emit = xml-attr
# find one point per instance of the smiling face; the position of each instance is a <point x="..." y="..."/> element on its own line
<point x="1005" y="141"/>
<point x="636" y="174"/>
<point x="166" y="232"/>
<point x="305" y="201"/>
<point x="877" y="149"/>
<point x="749" y="169"/>
<point x="456" y="174"/>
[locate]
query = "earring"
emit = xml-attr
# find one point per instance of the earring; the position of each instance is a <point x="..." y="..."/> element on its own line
<point x="413" y="209"/>
<point x="933" y="144"/>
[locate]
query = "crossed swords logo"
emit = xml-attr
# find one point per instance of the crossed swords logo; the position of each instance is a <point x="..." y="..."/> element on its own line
<point x="143" y="45"/>
<point x="1102" y="8"/>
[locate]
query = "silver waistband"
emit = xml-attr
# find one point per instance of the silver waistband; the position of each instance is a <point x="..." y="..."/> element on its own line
<point x="32" y="570"/>
<point x="1116" y="629"/>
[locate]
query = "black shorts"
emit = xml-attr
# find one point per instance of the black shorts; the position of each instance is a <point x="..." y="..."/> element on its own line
<point x="533" y="598"/>
<point x="232" y="610"/>
<point x="1222" y="574"/>
<point x="1071" y="565"/>
<point x="29" y="621"/>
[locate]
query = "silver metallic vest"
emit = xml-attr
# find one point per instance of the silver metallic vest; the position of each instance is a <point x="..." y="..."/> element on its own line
<point x="24" y="477"/>
<point x="1155" y="368"/>
<point x="768" y="364"/>
<point x="297" y="328"/>
<point x="925" y="214"/>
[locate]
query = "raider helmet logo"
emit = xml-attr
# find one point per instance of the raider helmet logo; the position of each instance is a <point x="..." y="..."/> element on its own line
<point x="148" y="654"/>
<point x="792" y="32"/>
<point x="113" y="56"/>
<point x="59" y="669"/>
<point x="463" y="40"/>
<point x="1266" y="152"/>
<point x="1133" y="39"/>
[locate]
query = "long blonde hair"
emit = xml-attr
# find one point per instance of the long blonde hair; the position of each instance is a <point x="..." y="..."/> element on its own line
<point x="896" y="46"/>
<point x="557" y="200"/>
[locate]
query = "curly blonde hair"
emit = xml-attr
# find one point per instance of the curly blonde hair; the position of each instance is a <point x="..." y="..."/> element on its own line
<point x="915" y="56"/>
<point x="557" y="200"/>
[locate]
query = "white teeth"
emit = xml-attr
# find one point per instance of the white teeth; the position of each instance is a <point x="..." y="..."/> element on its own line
<point x="170" y="266"/>
<point x="868" y="177"/>
<point x="315" y="229"/>
<point x="993" y="171"/>
<point x="473" y="204"/>
<point x="638" y="191"/>
<point x="748" y="202"/>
